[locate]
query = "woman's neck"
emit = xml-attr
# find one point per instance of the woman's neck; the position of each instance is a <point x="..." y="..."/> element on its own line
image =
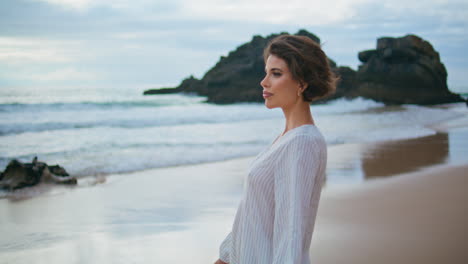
<point x="297" y="115"/>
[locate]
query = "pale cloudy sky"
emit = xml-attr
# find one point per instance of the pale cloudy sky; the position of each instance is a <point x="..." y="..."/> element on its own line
<point x="141" y="43"/>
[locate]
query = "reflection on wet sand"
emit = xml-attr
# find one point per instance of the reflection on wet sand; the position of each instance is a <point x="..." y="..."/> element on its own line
<point x="395" y="157"/>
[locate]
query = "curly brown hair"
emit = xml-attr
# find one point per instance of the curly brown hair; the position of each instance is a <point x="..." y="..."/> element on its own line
<point x="307" y="63"/>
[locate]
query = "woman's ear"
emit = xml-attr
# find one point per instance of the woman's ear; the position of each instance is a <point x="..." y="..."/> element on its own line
<point x="303" y="86"/>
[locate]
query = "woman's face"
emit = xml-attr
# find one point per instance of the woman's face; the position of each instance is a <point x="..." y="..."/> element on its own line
<point x="279" y="88"/>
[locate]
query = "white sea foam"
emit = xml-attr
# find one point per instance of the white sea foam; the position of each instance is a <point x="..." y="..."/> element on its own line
<point x="112" y="137"/>
<point x="343" y="105"/>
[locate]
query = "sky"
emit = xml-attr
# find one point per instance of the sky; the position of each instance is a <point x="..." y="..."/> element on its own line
<point x="143" y="44"/>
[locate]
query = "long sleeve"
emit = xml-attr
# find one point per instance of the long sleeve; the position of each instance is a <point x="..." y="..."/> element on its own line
<point x="297" y="176"/>
<point x="225" y="248"/>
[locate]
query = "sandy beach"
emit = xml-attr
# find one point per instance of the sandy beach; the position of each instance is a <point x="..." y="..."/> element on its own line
<point x="392" y="212"/>
<point x="417" y="217"/>
<point x="413" y="207"/>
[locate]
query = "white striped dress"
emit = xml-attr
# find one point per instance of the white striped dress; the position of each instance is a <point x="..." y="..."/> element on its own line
<point x="275" y="219"/>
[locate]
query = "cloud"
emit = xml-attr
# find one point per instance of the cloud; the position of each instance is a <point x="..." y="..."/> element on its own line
<point x="73" y="4"/>
<point x="163" y="41"/>
<point x="306" y="12"/>
<point x="67" y="74"/>
<point x="85" y="5"/>
<point x="24" y="50"/>
<point x="278" y="12"/>
<point x="297" y="12"/>
<point x="50" y="76"/>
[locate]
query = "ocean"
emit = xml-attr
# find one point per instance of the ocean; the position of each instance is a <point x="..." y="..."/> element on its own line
<point x="93" y="132"/>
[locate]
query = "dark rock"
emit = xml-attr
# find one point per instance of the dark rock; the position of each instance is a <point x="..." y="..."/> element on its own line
<point x="404" y="70"/>
<point x="161" y="91"/>
<point x="237" y="77"/>
<point x="364" y="56"/>
<point x="19" y="175"/>
<point x="346" y="84"/>
<point x="58" y="170"/>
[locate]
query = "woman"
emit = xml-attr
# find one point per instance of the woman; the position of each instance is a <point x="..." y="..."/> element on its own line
<point x="275" y="219"/>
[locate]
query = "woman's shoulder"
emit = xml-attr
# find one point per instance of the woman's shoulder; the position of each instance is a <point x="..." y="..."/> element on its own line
<point x="302" y="141"/>
<point x="303" y="145"/>
<point x="306" y="135"/>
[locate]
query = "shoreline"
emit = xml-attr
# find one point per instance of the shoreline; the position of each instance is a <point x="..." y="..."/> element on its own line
<point x="172" y="147"/>
<point x="417" y="217"/>
<point x="435" y="143"/>
<point x="348" y="164"/>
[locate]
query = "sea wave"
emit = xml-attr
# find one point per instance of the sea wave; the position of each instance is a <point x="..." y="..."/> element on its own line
<point x="23" y="118"/>
<point x="90" y="105"/>
<point x="106" y="140"/>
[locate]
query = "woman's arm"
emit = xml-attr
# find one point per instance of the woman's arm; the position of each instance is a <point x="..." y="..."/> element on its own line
<point x="296" y="173"/>
<point x="225" y="250"/>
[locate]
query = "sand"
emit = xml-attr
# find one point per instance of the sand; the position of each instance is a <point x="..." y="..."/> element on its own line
<point x="181" y="214"/>
<point x="419" y="217"/>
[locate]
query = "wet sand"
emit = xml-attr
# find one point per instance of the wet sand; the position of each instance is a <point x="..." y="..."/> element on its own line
<point x="418" y="217"/>
<point x="412" y="206"/>
<point x="393" y="202"/>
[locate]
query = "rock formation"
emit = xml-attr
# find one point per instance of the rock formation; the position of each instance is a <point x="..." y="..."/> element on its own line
<point x="18" y="175"/>
<point x="404" y="70"/>
<point x="236" y="78"/>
